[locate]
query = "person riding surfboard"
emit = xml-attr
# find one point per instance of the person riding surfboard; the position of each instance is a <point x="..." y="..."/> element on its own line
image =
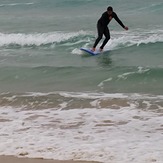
<point x="102" y="27"/>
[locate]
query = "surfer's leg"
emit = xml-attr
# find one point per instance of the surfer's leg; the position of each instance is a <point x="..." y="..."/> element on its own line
<point x="107" y="38"/>
<point x="100" y="31"/>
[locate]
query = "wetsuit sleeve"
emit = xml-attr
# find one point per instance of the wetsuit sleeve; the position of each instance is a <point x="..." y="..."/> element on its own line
<point x="118" y="20"/>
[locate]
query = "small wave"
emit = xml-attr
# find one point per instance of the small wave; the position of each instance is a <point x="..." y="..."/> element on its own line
<point x="16" y="4"/>
<point x="141" y="70"/>
<point x="124" y="76"/>
<point x="80" y="39"/>
<point x="36" y="39"/>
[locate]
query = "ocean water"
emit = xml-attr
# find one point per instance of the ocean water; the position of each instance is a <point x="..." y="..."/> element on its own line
<point x="58" y="103"/>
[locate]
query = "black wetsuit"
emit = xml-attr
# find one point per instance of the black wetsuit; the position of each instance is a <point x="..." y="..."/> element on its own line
<point x="103" y="29"/>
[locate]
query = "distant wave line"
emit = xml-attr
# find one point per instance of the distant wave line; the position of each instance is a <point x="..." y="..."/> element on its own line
<point x="16" y="4"/>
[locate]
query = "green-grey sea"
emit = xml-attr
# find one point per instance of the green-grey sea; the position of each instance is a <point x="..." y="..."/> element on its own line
<point x="104" y="108"/>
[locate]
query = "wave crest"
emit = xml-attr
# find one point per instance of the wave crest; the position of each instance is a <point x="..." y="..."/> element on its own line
<point x="82" y="38"/>
<point x="36" y="39"/>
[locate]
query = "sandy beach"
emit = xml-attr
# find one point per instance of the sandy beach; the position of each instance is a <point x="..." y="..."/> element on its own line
<point x="12" y="159"/>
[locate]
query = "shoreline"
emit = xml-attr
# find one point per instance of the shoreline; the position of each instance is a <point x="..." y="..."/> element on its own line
<point x="13" y="159"/>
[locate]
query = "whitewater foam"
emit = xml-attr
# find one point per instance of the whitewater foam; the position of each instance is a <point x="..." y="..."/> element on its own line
<point x="119" y="39"/>
<point x="88" y="134"/>
<point x="37" y="39"/>
<point x="134" y="37"/>
<point x="111" y="127"/>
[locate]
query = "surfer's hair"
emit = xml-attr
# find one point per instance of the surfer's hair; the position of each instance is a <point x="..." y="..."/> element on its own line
<point x="110" y="8"/>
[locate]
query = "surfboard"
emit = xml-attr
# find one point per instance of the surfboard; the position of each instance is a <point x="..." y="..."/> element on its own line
<point x="89" y="51"/>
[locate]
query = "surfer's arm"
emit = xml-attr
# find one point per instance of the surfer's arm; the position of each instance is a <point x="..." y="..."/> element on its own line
<point x="119" y="21"/>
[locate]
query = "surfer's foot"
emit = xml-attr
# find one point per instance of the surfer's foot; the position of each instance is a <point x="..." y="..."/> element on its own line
<point x="93" y="49"/>
<point x="100" y="50"/>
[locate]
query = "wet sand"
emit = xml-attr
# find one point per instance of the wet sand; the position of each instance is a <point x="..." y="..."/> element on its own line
<point x="12" y="159"/>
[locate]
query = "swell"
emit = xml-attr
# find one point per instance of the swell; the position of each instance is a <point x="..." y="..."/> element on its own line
<point x="119" y="72"/>
<point x="113" y="79"/>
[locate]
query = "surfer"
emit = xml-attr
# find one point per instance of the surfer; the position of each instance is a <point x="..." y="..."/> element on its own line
<point x="103" y="29"/>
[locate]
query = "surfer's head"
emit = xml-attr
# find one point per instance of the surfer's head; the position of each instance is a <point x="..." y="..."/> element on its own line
<point x="110" y="10"/>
